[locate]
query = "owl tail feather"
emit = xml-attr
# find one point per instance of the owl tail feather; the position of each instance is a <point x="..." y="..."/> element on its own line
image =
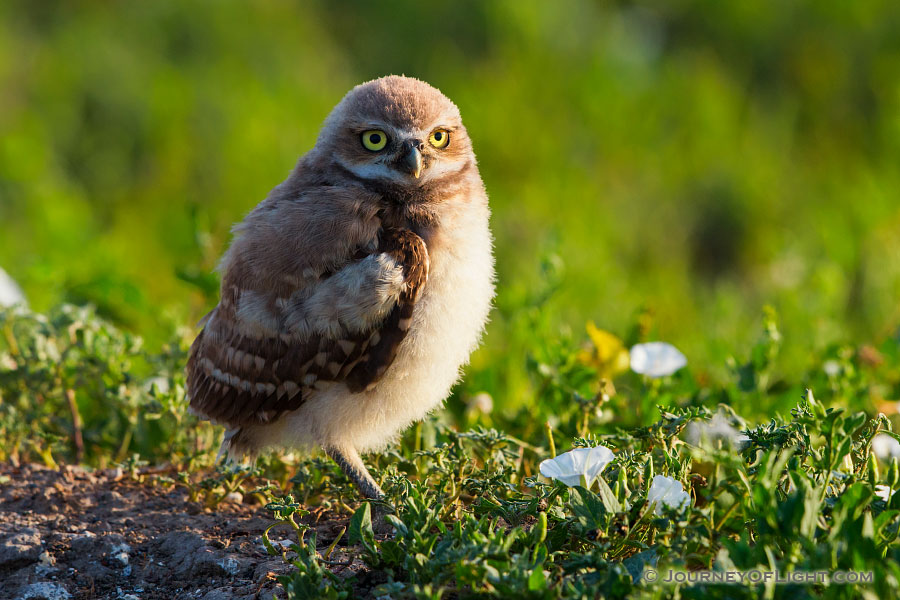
<point x="234" y="447"/>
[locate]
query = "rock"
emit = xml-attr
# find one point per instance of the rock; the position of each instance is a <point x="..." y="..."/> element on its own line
<point x="113" y="549"/>
<point x="20" y="549"/>
<point x="191" y="558"/>
<point x="230" y="565"/>
<point x="110" y="497"/>
<point x="178" y="542"/>
<point x="110" y="550"/>
<point x="115" y="474"/>
<point x="84" y="543"/>
<point x="46" y="564"/>
<point x="206" y="563"/>
<point x="43" y="590"/>
<point x="119" y="553"/>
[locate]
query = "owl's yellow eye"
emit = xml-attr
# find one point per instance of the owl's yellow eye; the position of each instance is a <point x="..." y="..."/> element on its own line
<point x="439" y="138"/>
<point x="374" y="140"/>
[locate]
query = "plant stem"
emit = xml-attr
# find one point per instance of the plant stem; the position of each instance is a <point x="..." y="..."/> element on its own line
<point x="550" y="440"/>
<point x="76" y="425"/>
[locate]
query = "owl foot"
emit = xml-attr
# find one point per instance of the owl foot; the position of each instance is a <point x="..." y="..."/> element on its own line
<point x="352" y="465"/>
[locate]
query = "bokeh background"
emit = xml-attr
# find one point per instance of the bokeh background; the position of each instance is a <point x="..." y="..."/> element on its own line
<point x="672" y="166"/>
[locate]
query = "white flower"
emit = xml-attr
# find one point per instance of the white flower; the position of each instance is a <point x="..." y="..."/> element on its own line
<point x="162" y="384"/>
<point x="884" y="492"/>
<point x="832" y="368"/>
<point x="719" y="428"/>
<point x="885" y="447"/>
<point x="571" y="466"/>
<point x="665" y="491"/>
<point x="656" y="359"/>
<point x="10" y="292"/>
<point x="481" y="403"/>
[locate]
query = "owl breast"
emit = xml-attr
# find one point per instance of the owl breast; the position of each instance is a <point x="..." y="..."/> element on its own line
<point x="448" y="321"/>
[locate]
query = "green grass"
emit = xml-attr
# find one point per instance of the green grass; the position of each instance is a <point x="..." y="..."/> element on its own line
<point x="470" y="523"/>
<point x="470" y="517"/>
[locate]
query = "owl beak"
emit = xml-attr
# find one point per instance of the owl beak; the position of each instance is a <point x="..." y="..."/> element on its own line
<point x="412" y="161"/>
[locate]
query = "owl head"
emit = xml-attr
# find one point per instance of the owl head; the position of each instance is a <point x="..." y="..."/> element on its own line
<point x="397" y="131"/>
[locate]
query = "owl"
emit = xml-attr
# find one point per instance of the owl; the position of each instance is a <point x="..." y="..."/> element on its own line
<point x="355" y="292"/>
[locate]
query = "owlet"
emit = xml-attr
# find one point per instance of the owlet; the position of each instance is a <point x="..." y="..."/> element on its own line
<point x="354" y="293"/>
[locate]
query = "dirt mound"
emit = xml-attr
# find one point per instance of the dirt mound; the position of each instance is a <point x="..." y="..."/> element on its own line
<point x="75" y="534"/>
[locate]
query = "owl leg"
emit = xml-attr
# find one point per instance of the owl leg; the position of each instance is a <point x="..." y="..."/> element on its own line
<point x="350" y="463"/>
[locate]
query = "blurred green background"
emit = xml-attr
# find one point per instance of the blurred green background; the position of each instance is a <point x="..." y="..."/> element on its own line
<point x="681" y="163"/>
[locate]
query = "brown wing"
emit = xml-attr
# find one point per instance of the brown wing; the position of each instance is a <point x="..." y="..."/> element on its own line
<point x="409" y="250"/>
<point x="243" y="373"/>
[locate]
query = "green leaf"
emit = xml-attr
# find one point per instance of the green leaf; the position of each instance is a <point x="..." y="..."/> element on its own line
<point x="854" y="422"/>
<point x="637" y="562"/>
<point x="608" y="496"/>
<point x="806" y="502"/>
<point x="868" y="527"/>
<point x="537" y="580"/>
<point x="396" y="523"/>
<point x="360" y="528"/>
<point x="856" y="499"/>
<point x="588" y="507"/>
<point x="884" y="519"/>
<point x="392" y="552"/>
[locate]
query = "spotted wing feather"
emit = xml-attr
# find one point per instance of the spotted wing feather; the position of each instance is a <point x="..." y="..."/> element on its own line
<point x="237" y="377"/>
<point x="409" y="250"/>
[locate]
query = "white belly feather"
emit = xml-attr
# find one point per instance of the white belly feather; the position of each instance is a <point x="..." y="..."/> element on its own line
<point x="447" y="323"/>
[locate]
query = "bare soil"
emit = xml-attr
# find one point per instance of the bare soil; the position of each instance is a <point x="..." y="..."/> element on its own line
<point x="75" y="534"/>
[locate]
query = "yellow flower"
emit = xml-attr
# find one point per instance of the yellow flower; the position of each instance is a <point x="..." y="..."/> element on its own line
<point x="608" y="355"/>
